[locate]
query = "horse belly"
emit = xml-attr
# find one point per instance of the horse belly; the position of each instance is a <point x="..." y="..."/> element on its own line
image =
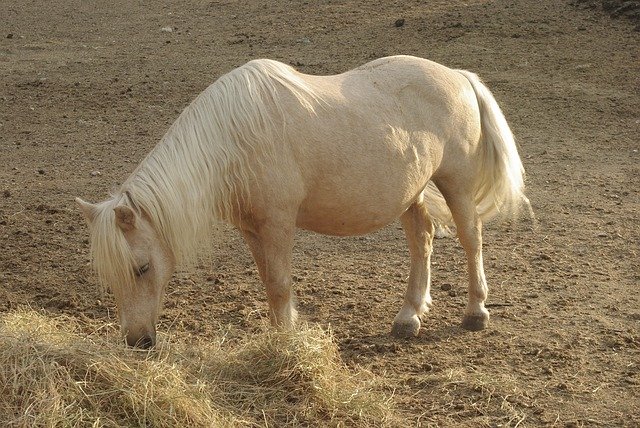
<point x="341" y="221"/>
<point x="359" y="202"/>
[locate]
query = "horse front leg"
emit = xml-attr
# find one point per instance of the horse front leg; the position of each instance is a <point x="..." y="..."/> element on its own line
<point x="272" y="247"/>
<point x="419" y="230"/>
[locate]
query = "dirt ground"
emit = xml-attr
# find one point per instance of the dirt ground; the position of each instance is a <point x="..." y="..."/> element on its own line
<point x="88" y="88"/>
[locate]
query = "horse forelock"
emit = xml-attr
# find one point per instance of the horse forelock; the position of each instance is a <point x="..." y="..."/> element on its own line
<point x="111" y="256"/>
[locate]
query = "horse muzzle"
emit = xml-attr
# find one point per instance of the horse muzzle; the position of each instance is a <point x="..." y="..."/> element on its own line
<point x="141" y="341"/>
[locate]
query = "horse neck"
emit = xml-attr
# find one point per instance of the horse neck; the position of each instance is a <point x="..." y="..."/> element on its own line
<point x="169" y="187"/>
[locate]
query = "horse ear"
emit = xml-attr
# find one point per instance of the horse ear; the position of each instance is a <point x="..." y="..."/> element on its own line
<point x="125" y="218"/>
<point x="88" y="210"/>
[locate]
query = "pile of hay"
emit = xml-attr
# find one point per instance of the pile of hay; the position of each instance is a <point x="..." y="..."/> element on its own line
<point x="53" y="374"/>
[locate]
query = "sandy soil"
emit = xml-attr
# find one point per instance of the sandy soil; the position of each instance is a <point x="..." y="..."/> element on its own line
<point x="87" y="89"/>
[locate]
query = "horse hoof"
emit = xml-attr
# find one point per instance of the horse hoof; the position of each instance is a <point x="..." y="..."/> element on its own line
<point x="475" y="322"/>
<point x="406" y="329"/>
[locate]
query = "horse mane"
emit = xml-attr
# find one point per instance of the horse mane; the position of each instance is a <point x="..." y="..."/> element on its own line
<point x="200" y="170"/>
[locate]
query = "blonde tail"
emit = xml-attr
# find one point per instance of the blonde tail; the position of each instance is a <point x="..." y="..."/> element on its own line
<point x="499" y="186"/>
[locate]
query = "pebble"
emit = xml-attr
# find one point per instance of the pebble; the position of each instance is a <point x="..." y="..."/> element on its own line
<point x="41" y="171"/>
<point x="445" y="287"/>
<point x="399" y="22"/>
<point x="95" y="173"/>
<point x="166" y="30"/>
<point x="6" y="194"/>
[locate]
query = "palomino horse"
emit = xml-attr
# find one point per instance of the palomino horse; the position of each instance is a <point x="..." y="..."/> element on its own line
<point x="268" y="149"/>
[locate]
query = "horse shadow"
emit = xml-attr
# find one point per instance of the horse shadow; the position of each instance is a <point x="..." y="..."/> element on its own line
<point x="380" y="344"/>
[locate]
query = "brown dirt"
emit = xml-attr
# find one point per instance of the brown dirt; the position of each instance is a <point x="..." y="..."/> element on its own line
<point x="615" y="8"/>
<point x="91" y="88"/>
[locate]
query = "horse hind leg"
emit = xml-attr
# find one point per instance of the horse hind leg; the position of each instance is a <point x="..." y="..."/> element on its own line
<point x="469" y="229"/>
<point x="419" y="230"/>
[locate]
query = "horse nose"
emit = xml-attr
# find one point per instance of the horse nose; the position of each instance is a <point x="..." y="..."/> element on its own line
<point x="142" y="342"/>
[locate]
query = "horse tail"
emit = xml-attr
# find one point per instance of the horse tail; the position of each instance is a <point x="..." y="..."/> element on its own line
<point x="499" y="183"/>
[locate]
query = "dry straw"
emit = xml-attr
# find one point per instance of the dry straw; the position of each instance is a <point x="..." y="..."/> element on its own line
<point x="52" y="374"/>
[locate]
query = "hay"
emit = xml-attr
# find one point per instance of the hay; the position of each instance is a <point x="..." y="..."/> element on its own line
<point x="52" y="374"/>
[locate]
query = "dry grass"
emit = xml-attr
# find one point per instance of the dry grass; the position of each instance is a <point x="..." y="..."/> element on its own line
<point x="53" y="374"/>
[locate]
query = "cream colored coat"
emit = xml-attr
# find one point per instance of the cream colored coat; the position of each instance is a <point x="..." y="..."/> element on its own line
<point x="269" y="149"/>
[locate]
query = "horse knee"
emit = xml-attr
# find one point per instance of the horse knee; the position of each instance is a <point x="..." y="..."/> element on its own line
<point x="279" y="292"/>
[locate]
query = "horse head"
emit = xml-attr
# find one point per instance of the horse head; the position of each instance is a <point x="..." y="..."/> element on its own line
<point x="133" y="261"/>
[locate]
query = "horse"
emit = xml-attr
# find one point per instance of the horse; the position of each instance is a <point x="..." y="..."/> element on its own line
<point x="269" y="149"/>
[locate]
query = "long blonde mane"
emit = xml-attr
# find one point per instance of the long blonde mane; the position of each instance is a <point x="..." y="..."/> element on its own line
<point x="199" y="172"/>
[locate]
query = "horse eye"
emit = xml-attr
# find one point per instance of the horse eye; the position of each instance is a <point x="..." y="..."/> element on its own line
<point x="142" y="269"/>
